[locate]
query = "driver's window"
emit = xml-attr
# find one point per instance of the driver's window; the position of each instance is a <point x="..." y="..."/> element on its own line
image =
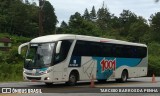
<point x="65" y="46"/>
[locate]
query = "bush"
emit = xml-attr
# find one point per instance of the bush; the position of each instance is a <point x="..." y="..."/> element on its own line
<point x="154" y="59"/>
<point x="11" y="63"/>
<point x="11" y="72"/>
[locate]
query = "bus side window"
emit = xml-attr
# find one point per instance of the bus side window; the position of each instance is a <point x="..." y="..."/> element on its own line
<point x="81" y="49"/>
<point x="119" y="51"/>
<point x="94" y="49"/>
<point x="107" y="50"/>
<point x="141" y="52"/>
<point x="87" y="48"/>
<point x="65" y="46"/>
<point x="132" y="52"/>
<point x="77" y="49"/>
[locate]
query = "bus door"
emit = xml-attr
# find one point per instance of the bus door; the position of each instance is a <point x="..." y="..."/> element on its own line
<point x="60" y="59"/>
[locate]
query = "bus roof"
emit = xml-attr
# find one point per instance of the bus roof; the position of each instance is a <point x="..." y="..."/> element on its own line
<point x="57" y="37"/>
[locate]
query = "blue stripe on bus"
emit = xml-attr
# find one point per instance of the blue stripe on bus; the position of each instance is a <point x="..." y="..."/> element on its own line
<point x="105" y="66"/>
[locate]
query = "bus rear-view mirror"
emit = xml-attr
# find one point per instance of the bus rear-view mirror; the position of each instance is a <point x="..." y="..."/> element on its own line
<point x="21" y="46"/>
<point x="58" y="47"/>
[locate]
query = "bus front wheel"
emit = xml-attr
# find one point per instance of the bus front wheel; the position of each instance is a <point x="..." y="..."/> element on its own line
<point x="48" y="84"/>
<point x="72" y="79"/>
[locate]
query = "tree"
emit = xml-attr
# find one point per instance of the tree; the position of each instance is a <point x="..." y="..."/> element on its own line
<point x="103" y="18"/>
<point x="23" y="19"/>
<point x="126" y="19"/>
<point x="79" y="25"/>
<point x="86" y="15"/>
<point x="114" y="22"/>
<point x="155" y="26"/>
<point x="50" y="19"/>
<point x="75" y="20"/>
<point x="137" y="31"/>
<point x="26" y="1"/>
<point x="18" y="18"/>
<point x="63" y="24"/>
<point x="93" y="14"/>
<point x="63" y="28"/>
<point x="4" y="6"/>
<point x="127" y="16"/>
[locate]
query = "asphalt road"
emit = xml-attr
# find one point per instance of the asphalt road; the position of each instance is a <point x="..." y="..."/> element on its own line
<point x="83" y="88"/>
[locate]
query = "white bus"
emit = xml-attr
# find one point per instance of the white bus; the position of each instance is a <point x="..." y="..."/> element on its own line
<point x="71" y="58"/>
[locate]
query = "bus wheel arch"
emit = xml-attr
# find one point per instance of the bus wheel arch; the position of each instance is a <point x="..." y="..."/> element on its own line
<point x="73" y="78"/>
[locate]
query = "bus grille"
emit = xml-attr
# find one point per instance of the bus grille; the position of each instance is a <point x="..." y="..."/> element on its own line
<point x="34" y="78"/>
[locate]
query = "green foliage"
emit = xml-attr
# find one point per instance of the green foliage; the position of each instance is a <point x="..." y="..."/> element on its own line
<point x="18" y="18"/>
<point x="154" y="64"/>
<point x="50" y="19"/>
<point x="22" y="19"/>
<point x="137" y="31"/>
<point x="11" y="72"/>
<point x="81" y="26"/>
<point x="155" y="26"/>
<point x="126" y="19"/>
<point x="86" y="15"/>
<point x="63" y="24"/>
<point x="11" y="66"/>
<point x="93" y="13"/>
<point x="103" y="18"/>
<point x="11" y="63"/>
<point x="63" y="28"/>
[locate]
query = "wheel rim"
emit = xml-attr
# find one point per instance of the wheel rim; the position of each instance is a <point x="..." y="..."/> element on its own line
<point x="72" y="79"/>
<point x="124" y="77"/>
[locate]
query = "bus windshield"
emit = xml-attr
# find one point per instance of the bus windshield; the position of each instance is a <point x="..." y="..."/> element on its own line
<point x="39" y="56"/>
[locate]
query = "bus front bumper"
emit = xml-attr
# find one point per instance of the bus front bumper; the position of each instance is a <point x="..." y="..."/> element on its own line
<point x="40" y="78"/>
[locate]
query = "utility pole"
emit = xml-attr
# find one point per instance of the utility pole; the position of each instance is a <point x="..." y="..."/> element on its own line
<point x="41" y="4"/>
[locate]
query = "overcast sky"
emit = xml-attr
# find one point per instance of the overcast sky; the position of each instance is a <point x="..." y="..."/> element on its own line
<point x="65" y="8"/>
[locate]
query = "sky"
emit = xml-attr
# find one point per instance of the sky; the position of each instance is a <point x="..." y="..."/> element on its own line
<point x="65" y="8"/>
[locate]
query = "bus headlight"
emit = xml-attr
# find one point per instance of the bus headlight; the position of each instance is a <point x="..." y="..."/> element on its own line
<point x="49" y="70"/>
<point x="46" y="78"/>
<point x="45" y="72"/>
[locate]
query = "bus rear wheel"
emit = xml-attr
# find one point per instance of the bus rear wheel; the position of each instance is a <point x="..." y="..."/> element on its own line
<point x="124" y="76"/>
<point x="72" y="80"/>
<point x="102" y="81"/>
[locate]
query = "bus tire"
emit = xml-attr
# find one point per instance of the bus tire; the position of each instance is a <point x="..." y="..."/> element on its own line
<point x="48" y="84"/>
<point x="124" y="76"/>
<point x="72" y="79"/>
<point x="102" y="81"/>
<point x="118" y="80"/>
